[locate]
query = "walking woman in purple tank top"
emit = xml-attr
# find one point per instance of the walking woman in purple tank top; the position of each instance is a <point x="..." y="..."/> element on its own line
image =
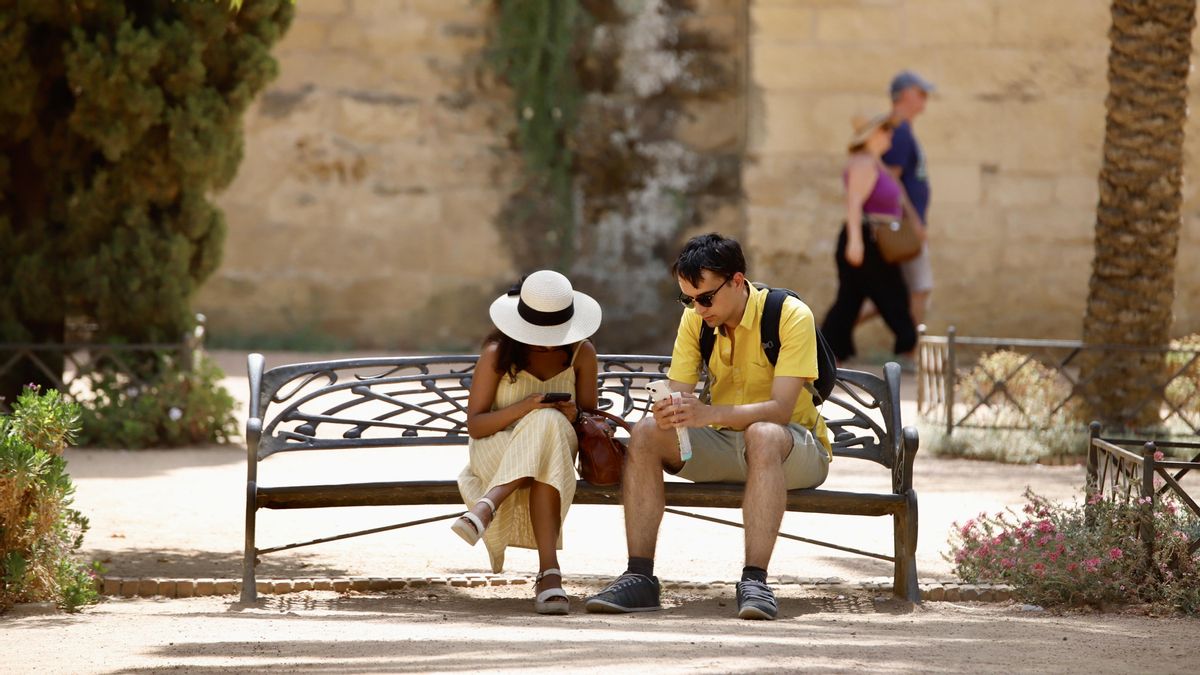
<point x="872" y="195"/>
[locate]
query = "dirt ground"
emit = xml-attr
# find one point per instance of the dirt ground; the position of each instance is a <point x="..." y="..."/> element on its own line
<point x="179" y="514"/>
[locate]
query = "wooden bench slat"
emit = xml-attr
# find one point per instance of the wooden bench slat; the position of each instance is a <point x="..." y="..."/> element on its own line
<point x="707" y="495"/>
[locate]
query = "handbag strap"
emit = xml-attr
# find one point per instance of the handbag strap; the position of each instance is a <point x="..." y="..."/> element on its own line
<point x="609" y="416"/>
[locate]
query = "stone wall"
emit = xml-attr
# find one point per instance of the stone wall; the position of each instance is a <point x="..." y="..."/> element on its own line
<point x="376" y="164"/>
<point x="1013" y="143"/>
<point x="373" y="168"/>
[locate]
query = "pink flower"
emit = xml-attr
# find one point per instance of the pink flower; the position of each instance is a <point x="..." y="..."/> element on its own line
<point x="1071" y="567"/>
<point x="1039" y="569"/>
<point x="1114" y="553"/>
<point x="1091" y="564"/>
<point x="1007" y="563"/>
<point x="1045" y="526"/>
<point x="1158" y="455"/>
<point x="1054" y="557"/>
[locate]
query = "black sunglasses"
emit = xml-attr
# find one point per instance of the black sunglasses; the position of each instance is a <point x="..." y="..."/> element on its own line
<point x="704" y="299"/>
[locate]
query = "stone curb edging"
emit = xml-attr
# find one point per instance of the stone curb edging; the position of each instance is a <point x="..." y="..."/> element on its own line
<point x="931" y="589"/>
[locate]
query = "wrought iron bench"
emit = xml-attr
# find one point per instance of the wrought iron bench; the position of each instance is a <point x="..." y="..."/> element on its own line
<point x="397" y="402"/>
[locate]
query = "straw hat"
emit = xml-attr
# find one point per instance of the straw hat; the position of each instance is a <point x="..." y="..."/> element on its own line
<point x="542" y="309"/>
<point x="865" y="126"/>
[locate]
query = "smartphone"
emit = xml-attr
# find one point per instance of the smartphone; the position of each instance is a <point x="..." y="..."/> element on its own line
<point x="555" y="397"/>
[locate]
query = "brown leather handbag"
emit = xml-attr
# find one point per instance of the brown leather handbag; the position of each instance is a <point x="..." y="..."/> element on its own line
<point x="601" y="454"/>
<point x="899" y="239"/>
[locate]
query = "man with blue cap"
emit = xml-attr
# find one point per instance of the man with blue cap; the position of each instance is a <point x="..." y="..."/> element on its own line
<point x="907" y="162"/>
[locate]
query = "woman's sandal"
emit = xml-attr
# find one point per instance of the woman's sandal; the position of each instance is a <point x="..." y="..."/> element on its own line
<point x="546" y="602"/>
<point x="469" y="526"/>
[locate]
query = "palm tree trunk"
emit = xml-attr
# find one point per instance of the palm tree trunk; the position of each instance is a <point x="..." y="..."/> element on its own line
<point x="1138" y="219"/>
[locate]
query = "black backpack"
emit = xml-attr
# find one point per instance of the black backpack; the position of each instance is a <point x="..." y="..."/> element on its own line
<point x="768" y="328"/>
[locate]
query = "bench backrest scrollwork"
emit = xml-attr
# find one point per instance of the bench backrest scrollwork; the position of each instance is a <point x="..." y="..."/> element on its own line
<point x="421" y="401"/>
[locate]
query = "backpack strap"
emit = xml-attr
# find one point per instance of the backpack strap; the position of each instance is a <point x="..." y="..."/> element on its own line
<point x="708" y="338"/>
<point x="768" y="327"/>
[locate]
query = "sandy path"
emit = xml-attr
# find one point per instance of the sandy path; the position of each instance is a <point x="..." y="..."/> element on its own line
<point x="179" y="514"/>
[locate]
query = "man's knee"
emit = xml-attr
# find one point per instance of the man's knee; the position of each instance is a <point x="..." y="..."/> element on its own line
<point x="767" y="443"/>
<point x="647" y="439"/>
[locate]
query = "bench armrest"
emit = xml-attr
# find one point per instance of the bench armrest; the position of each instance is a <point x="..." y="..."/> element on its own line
<point x="255" y="364"/>
<point x="902" y="470"/>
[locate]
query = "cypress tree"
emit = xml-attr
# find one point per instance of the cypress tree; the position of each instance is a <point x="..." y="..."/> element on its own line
<point x="118" y="122"/>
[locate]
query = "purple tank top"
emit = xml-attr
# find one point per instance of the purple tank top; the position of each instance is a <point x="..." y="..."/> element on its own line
<point x="884" y="197"/>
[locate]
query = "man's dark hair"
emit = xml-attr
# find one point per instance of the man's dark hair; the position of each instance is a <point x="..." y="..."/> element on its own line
<point x="720" y="255"/>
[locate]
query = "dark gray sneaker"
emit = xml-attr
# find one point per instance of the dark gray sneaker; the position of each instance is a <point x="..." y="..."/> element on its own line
<point x="627" y="593"/>
<point x="756" y="601"/>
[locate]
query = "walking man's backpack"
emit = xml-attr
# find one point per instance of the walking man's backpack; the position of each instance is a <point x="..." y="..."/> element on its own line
<point x="820" y="388"/>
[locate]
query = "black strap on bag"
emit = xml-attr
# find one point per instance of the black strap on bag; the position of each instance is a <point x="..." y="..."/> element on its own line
<point x="768" y="329"/>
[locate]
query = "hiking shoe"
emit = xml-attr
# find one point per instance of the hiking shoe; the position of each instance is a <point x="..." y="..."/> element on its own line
<point x="756" y="601"/>
<point x="627" y="593"/>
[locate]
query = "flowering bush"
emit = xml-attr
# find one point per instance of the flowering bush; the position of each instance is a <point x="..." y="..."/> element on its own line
<point x="1082" y="554"/>
<point x="172" y="408"/>
<point x="39" y="532"/>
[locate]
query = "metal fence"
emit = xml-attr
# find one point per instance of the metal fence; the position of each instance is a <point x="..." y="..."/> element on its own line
<point x="82" y="361"/>
<point x="1124" y="468"/>
<point x="1010" y="383"/>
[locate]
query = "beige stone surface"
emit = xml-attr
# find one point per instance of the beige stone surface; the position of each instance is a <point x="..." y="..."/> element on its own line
<point x="376" y="163"/>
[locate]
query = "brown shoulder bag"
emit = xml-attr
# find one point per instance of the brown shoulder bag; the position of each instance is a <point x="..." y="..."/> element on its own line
<point x="601" y="454"/>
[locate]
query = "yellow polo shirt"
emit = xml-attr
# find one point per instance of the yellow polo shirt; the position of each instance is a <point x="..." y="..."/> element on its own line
<point x="746" y="376"/>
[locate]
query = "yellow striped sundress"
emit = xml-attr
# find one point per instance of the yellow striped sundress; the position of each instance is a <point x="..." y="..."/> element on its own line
<point x="540" y="445"/>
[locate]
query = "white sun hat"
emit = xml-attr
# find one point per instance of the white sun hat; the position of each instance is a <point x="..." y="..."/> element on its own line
<point x="544" y="310"/>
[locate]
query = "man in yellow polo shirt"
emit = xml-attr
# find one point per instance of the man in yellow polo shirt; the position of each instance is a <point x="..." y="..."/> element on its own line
<point x="761" y="428"/>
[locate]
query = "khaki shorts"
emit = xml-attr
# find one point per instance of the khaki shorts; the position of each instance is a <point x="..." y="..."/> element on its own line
<point x="918" y="273"/>
<point x="719" y="456"/>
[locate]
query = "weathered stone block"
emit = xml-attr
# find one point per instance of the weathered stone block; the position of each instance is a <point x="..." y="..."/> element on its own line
<point x="954" y="182"/>
<point x="1020" y="190"/>
<point x="1040" y="24"/>
<point x="859" y="23"/>
<point x="167" y="587"/>
<point x="781" y="23"/>
<point x="226" y="587"/>
<point x="1081" y="191"/>
<point x="147" y="587"/>
<point x="305" y="34"/>
<point x="948" y="22"/>
<point x="185" y="588"/>
<point x="205" y="587"/>
<point x="321" y="8"/>
<point x="711" y="125"/>
<point x="341" y="585"/>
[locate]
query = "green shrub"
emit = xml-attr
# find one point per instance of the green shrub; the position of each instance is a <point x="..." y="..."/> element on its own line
<point x="1017" y="389"/>
<point x="1049" y="445"/>
<point x="172" y="408"/>
<point x="1183" y="392"/>
<point x="39" y="532"/>
<point x="1055" y="554"/>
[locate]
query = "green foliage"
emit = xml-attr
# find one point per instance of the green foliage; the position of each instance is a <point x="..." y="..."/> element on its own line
<point x="1045" y="445"/>
<point x="1055" y="554"/>
<point x="1183" y="366"/>
<point x="534" y="51"/>
<point x="175" y="407"/>
<point x="118" y="122"/>
<point x="39" y="532"/>
<point x="1017" y="389"/>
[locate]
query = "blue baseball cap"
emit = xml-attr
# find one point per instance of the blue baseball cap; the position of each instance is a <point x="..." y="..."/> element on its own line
<point x="907" y="78"/>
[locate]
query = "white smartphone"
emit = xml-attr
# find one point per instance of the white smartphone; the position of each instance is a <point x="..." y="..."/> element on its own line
<point x="659" y="390"/>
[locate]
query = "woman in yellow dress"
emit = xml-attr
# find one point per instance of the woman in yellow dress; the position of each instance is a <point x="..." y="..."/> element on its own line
<point x="520" y="478"/>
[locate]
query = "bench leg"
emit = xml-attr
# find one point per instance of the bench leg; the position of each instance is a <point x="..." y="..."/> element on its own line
<point x="904" y="525"/>
<point x="249" y="589"/>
